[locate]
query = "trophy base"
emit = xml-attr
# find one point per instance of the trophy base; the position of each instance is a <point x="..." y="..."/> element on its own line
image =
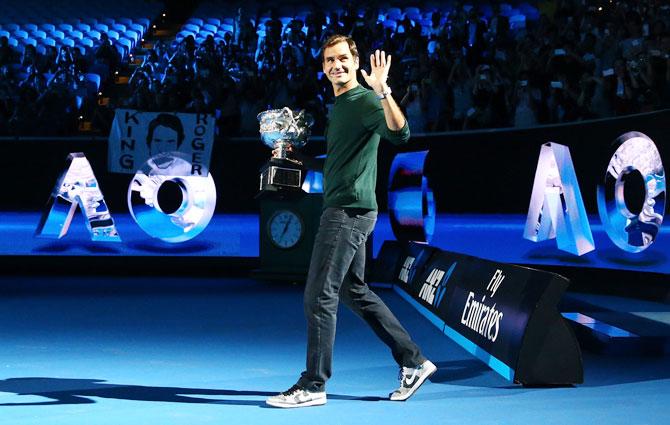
<point x="280" y="176"/>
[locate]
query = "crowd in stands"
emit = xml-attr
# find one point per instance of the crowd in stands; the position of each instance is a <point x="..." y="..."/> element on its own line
<point x="55" y="56"/>
<point x="454" y="68"/>
<point x="50" y="92"/>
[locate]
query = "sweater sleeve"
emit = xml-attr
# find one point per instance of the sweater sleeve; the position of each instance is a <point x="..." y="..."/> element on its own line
<point x="373" y="119"/>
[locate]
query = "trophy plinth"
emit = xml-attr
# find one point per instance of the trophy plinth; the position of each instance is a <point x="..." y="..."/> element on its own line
<point x="280" y="174"/>
<point x="280" y="130"/>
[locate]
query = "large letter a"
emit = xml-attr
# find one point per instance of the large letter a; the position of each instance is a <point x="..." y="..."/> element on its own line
<point x="556" y="206"/>
<point x="77" y="185"/>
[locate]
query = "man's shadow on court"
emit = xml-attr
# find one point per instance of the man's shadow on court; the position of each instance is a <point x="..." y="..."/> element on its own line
<point x="79" y="391"/>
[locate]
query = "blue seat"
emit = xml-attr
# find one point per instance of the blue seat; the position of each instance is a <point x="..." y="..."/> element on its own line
<point x="4" y="33"/>
<point x="432" y="46"/>
<point x="58" y="35"/>
<point x="107" y="21"/>
<point x="94" y="34"/>
<point x="394" y="13"/>
<point x="145" y="22"/>
<point x="75" y="34"/>
<point x="412" y="10"/>
<point x="127" y="44"/>
<point x="94" y="81"/>
<point x="414" y="16"/>
<point x="48" y="27"/>
<point x="213" y="21"/>
<point x="183" y="34"/>
<point x="87" y="42"/>
<point x="226" y="27"/>
<point x="122" y="51"/>
<point x="517" y="22"/>
<point x="11" y="27"/>
<point x="29" y="40"/>
<point x="41" y="49"/>
<point x="191" y="27"/>
<point x="67" y="42"/>
<point x="82" y="27"/>
<point x="65" y="27"/>
<point x="195" y="21"/>
<point x="48" y="42"/>
<point x="101" y="27"/>
<point x="125" y="21"/>
<point x="134" y="36"/>
<point x="90" y="21"/>
<point x="38" y="34"/>
<point x="227" y="21"/>
<point x="113" y="35"/>
<point x="390" y="23"/>
<point x="137" y="27"/>
<point x="20" y="34"/>
<point x="30" y="27"/>
<point x="13" y="42"/>
<point x="211" y="28"/>
<point x="119" y="27"/>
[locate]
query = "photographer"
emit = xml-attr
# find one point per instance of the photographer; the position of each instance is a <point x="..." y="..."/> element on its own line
<point x="620" y="89"/>
<point x="414" y="104"/>
<point x="524" y="103"/>
<point x="461" y="86"/>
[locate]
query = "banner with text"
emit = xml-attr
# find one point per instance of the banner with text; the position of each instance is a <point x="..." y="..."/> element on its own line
<point x="136" y="136"/>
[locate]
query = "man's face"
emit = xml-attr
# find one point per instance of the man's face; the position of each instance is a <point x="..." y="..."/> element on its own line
<point x="164" y="140"/>
<point x="339" y="65"/>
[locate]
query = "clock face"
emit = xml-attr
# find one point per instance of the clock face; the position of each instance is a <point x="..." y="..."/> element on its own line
<point x="285" y="229"/>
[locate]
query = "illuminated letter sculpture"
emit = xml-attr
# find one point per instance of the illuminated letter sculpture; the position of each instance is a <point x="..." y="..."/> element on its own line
<point x="77" y="185"/>
<point x="410" y="198"/>
<point x="556" y="206"/>
<point x="633" y="232"/>
<point x="198" y="199"/>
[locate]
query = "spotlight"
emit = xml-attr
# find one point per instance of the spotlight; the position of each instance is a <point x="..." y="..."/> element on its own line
<point x="99" y="93"/>
<point x="154" y="26"/>
<point x="163" y="15"/>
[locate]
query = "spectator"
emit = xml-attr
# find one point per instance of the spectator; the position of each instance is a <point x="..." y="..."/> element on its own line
<point x="6" y="52"/>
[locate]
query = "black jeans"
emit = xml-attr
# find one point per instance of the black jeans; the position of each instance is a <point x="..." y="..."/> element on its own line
<point x="337" y="271"/>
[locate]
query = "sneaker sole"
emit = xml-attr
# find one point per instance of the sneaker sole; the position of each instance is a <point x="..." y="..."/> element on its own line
<point x="317" y="402"/>
<point x="418" y="385"/>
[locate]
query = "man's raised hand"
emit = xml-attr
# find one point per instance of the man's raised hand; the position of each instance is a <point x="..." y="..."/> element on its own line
<point x="380" y="64"/>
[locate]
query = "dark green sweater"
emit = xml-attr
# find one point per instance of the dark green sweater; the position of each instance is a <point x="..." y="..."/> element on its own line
<point x="356" y="123"/>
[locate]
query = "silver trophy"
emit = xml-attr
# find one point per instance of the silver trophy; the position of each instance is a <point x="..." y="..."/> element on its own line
<point x="281" y="128"/>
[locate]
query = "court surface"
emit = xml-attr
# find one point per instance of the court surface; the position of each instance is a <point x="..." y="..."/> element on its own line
<point x="167" y="350"/>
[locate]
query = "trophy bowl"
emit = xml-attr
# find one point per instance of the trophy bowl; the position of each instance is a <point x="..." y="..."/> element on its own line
<point x="281" y="128"/>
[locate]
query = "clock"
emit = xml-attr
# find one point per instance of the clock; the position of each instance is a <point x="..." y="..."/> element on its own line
<point x="285" y="229"/>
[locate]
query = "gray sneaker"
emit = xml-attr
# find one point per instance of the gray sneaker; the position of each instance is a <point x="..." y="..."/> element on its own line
<point x="297" y="396"/>
<point x="411" y="379"/>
